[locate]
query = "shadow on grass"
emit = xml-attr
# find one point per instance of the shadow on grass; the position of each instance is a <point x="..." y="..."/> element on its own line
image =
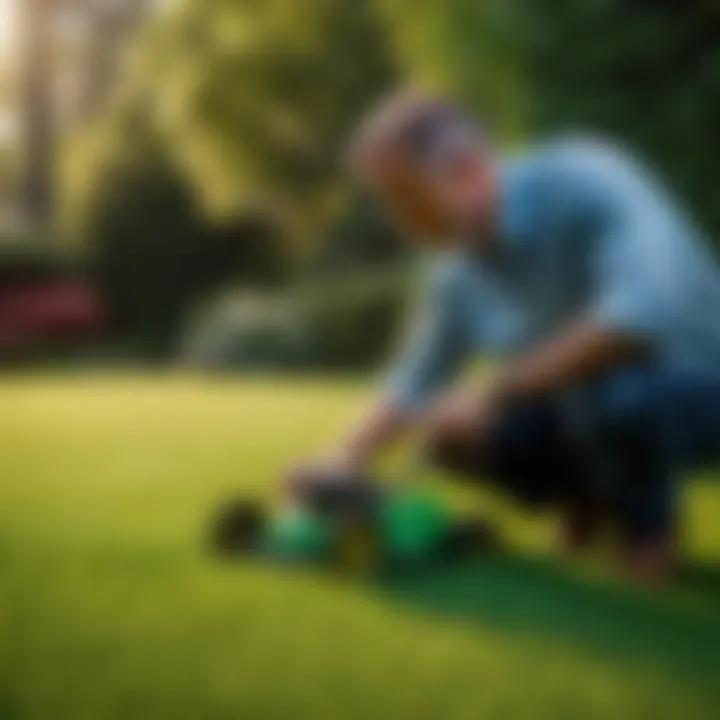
<point x="676" y="629"/>
<point x="703" y="580"/>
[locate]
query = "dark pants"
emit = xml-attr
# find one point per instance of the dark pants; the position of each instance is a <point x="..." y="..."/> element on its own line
<point x="620" y="444"/>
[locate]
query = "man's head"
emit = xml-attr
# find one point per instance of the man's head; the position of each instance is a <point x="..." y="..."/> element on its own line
<point x="430" y="164"/>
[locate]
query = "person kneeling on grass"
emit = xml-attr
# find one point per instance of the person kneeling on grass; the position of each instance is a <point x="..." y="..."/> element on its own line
<point x="574" y="265"/>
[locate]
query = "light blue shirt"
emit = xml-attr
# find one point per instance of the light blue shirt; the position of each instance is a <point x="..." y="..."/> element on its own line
<point x="584" y="230"/>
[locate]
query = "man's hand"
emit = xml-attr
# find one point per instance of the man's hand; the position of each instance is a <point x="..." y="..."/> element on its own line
<point x="582" y="350"/>
<point x="377" y="429"/>
<point x="333" y="467"/>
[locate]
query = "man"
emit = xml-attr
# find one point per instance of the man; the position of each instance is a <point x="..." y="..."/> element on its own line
<point x="576" y="267"/>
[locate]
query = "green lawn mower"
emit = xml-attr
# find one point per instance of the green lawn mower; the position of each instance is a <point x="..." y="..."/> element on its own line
<point x="352" y="525"/>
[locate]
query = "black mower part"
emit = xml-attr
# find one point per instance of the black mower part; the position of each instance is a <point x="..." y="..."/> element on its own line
<point x="353" y="498"/>
<point x="237" y="528"/>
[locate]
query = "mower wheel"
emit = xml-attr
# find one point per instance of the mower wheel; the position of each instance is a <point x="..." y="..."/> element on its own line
<point x="236" y="528"/>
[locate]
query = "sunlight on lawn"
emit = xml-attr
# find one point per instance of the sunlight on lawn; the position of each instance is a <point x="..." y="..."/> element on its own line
<point x="110" y="609"/>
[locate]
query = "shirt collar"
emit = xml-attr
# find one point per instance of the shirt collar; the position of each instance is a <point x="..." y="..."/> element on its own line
<point x="513" y="220"/>
<point x="511" y="224"/>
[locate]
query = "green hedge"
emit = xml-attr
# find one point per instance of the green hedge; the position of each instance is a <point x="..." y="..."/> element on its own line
<point x="646" y="72"/>
<point x="348" y="325"/>
<point x="31" y="257"/>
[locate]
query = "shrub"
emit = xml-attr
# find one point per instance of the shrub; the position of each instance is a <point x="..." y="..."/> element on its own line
<point x="346" y="326"/>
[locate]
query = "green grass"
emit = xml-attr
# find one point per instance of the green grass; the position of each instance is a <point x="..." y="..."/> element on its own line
<point x="109" y="609"/>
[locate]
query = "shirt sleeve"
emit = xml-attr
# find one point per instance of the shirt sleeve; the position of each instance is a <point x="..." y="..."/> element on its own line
<point x="628" y="285"/>
<point x="630" y="263"/>
<point x="433" y="347"/>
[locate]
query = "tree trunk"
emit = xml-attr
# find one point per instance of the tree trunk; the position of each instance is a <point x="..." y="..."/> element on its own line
<point x="38" y="121"/>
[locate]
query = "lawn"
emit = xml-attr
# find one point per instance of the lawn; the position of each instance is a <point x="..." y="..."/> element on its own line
<point x="110" y="609"/>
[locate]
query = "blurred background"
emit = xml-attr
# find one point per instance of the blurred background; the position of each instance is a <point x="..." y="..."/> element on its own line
<point x="171" y="185"/>
<point x="172" y="196"/>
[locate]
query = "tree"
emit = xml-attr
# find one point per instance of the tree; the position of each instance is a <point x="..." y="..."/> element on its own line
<point x="37" y="110"/>
<point x="256" y="98"/>
<point x="648" y="73"/>
<point x="467" y="48"/>
<point x="151" y="250"/>
<point x="106" y="25"/>
<point x="361" y="239"/>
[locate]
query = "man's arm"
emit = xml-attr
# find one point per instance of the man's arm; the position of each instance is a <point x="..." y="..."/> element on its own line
<point x="429" y="356"/>
<point x="630" y="275"/>
<point x="585" y="349"/>
<point x="380" y="427"/>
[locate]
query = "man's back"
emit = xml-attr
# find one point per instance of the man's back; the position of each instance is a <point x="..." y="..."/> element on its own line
<point x="583" y="228"/>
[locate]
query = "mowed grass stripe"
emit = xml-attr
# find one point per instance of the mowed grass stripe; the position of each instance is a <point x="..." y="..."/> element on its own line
<point x="109" y="608"/>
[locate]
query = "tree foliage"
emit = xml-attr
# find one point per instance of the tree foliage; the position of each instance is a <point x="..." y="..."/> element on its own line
<point x="646" y="72"/>
<point x="466" y="48"/>
<point x="151" y="248"/>
<point x="235" y="109"/>
<point x="256" y="97"/>
<point x="229" y="128"/>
